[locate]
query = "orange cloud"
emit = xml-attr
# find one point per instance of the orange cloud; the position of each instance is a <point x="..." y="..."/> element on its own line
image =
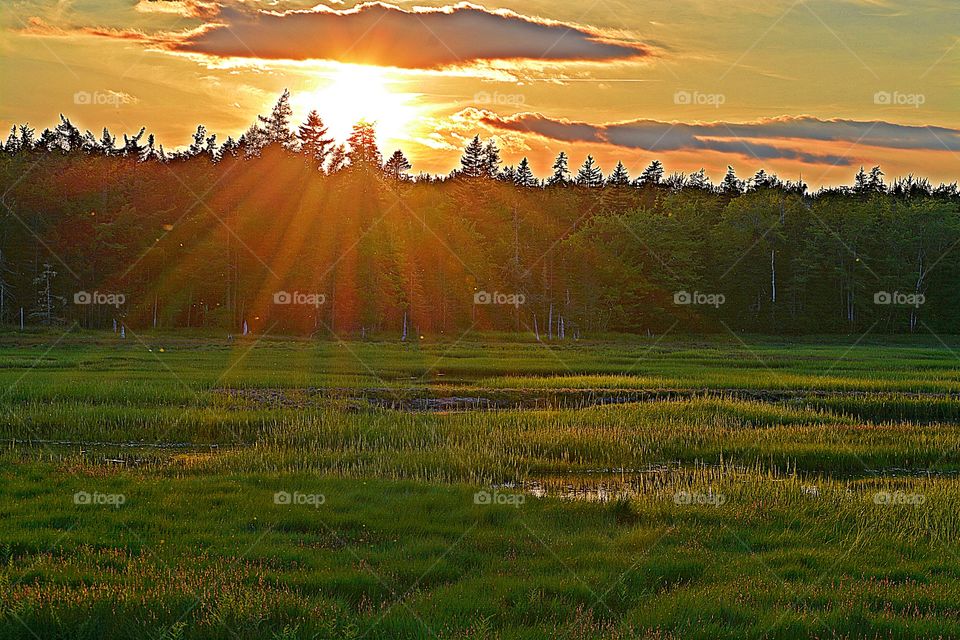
<point x="38" y="27"/>
<point x="186" y="8"/>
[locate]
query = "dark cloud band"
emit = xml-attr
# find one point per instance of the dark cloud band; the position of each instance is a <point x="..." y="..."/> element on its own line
<point x="382" y="34"/>
<point x="752" y="139"/>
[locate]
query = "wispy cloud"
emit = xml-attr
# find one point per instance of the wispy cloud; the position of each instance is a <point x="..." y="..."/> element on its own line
<point x="186" y="8"/>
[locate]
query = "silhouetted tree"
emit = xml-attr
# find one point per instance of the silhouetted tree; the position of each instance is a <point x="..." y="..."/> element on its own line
<point x="397" y="166"/>
<point x="315" y="143"/>
<point x="473" y="162"/>
<point x="589" y="174"/>
<point x="699" y="180"/>
<point x="491" y="160"/>
<point x="619" y="176"/>
<point x="276" y="126"/>
<point x="524" y="175"/>
<point x="731" y="185"/>
<point x="338" y="159"/>
<point x="652" y="175"/>
<point x="561" y="171"/>
<point x="363" y="153"/>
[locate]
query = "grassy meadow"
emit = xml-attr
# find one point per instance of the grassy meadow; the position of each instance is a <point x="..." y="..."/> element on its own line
<point x="186" y="486"/>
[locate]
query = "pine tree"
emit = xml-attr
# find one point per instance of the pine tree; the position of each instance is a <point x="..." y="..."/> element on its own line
<point x="731" y="184"/>
<point x="364" y="153"/>
<point x="12" y="145"/>
<point x="875" y="181"/>
<point x="199" y="137"/>
<point x="150" y="152"/>
<point x="338" y="159"/>
<point x="491" y="160"/>
<point x="397" y="166"/>
<point x="472" y="163"/>
<point x="590" y="174"/>
<point x="229" y="148"/>
<point x="108" y="143"/>
<point x="210" y="149"/>
<point x="315" y="143"/>
<point x="131" y="145"/>
<point x="619" y="177"/>
<point x="69" y="137"/>
<point x="861" y="183"/>
<point x="699" y="180"/>
<point x="252" y="141"/>
<point x="276" y="126"/>
<point x="764" y="180"/>
<point x="89" y="142"/>
<point x="26" y="137"/>
<point x="676" y="181"/>
<point x="47" y="141"/>
<point x="617" y="196"/>
<point x="561" y="171"/>
<point x="524" y="176"/>
<point x="652" y="175"/>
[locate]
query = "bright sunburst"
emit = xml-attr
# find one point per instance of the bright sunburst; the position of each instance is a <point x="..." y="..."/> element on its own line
<point x="356" y="92"/>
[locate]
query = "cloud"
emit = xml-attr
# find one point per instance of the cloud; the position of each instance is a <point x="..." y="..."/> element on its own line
<point x="383" y="34"/>
<point x="751" y="139"/>
<point x="185" y="8"/>
<point x="38" y="27"/>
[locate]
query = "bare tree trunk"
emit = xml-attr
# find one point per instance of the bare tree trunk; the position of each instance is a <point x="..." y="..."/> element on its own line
<point x="773" y="253"/>
<point x="516" y="264"/>
<point x="773" y="276"/>
<point x="921" y="274"/>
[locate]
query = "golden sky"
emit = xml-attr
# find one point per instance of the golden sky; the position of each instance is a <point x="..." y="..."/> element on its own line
<point x="799" y="87"/>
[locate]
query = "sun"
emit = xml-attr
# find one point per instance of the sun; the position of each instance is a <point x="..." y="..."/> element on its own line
<point x="357" y="92"/>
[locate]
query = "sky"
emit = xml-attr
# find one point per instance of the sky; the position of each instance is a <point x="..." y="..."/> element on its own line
<point x="801" y="88"/>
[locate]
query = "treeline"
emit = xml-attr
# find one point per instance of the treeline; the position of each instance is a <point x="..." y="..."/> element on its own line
<point x="285" y="230"/>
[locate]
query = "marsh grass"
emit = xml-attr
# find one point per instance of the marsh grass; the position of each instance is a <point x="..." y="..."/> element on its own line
<point x="827" y="511"/>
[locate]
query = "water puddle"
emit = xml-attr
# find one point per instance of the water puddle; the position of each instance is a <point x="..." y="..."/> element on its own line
<point x="615" y="484"/>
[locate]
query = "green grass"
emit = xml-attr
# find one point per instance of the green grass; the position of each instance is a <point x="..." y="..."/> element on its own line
<point x="821" y="477"/>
